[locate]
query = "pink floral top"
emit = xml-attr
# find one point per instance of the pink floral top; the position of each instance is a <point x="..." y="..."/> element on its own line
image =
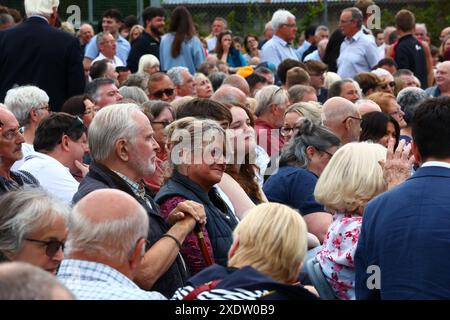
<point x="338" y="251"/>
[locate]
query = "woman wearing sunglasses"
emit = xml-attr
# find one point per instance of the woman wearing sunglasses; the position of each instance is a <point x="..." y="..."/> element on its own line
<point x="33" y="228"/>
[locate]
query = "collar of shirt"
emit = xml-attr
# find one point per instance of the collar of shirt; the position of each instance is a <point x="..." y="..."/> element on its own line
<point x="138" y="188"/>
<point x="355" y="37"/>
<point x="436" y="164"/>
<point x="281" y="41"/>
<point x="36" y="16"/>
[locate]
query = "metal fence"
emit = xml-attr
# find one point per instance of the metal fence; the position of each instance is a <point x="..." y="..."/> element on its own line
<point x="243" y="16"/>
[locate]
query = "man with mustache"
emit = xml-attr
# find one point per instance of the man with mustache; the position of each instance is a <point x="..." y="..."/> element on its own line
<point x="148" y="41"/>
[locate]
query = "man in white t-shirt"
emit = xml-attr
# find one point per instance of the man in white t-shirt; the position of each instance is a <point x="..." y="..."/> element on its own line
<point x="60" y="145"/>
<point x="108" y="49"/>
<point x="29" y="104"/>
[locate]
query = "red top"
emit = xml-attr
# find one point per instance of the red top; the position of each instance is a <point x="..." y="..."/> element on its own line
<point x="268" y="137"/>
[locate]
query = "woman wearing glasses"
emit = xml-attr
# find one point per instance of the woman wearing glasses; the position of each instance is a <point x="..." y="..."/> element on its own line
<point x="33" y="228"/>
<point x="297" y="111"/>
<point x="301" y="162"/>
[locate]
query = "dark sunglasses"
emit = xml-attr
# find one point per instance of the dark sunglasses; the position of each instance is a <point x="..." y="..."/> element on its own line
<point x="159" y="94"/>
<point x="52" y="246"/>
<point x="391" y="84"/>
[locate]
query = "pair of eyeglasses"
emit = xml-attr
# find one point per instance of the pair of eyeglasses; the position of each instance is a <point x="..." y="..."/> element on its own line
<point x="159" y="94"/>
<point x="47" y="107"/>
<point x="286" y="130"/>
<point x="164" y="123"/>
<point x="273" y="95"/>
<point x="328" y="153"/>
<point x="350" y="117"/>
<point x="292" y="25"/>
<point x="52" y="246"/>
<point x="10" y="134"/>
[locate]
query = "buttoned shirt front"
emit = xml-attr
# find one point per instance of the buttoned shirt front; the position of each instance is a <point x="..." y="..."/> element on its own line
<point x="89" y="280"/>
<point x="276" y="50"/>
<point x="123" y="48"/>
<point x="358" y="54"/>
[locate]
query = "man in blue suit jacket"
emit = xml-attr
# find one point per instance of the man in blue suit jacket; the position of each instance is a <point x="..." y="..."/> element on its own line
<point x="403" y="250"/>
<point x="36" y="53"/>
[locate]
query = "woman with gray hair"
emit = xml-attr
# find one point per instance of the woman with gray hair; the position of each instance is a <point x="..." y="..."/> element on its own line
<point x="409" y="100"/>
<point x="33" y="228"/>
<point x="301" y="163"/>
<point x="134" y="93"/>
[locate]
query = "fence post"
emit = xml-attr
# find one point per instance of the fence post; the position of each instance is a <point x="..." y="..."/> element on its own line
<point x="155" y="3"/>
<point x="325" y="12"/>
<point x="91" y="11"/>
<point x="139" y="10"/>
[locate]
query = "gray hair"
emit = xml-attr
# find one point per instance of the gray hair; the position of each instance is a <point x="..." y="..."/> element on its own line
<point x="423" y="25"/>
<point x="113" y="238"/>
<point x="40" y="7"/>
<point x="93" y="86"/>
<point x="311" y="110"/>
<point x="225" y="23"/>
<point x="23" y="212"/>
<point x="280" y="17"/>
<point x="356" y="15"/>
<point x="176" y="75"/>
<point x="268" y="96"/>
<point x="6" y="18"/>
<point x="134" y="93"/>
<point x="298" y="91"/>
<point x="110" y="124"/>
<point x="100" y="37"/>
<point x="147" y="61"/>
<point x="321" y="28"/>
<point x="409" y="99"/>
<point x="268" y="25"/>
<point x="21" y="100"/>
<point x="308" y="134"/>
<point x="217" y="78"/>
<point x="139" y="79"/>
<point x="23" y="281"/>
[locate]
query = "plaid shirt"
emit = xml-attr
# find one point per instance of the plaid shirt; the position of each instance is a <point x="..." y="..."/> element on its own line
<point x="138" y="188"/>
<point x="95" y="281"/>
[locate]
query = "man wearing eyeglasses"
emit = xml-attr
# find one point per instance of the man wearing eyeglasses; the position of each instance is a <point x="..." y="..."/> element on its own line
<point x="160" y="87"/>
<point x="10" y="151"/>
<point x="60" y="145"/>
<point x="279" y="47"/>
<point x="358" y="52"/>
<point x="29" y="104"/>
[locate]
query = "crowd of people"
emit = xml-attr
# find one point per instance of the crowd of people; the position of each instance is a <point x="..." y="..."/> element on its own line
<point x="140" y="163"/>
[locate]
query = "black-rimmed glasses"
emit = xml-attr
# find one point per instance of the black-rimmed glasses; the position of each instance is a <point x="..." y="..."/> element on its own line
<point x="52" y="246"/>
<point x="350" y="117"/>
<point x="11" y="133"/>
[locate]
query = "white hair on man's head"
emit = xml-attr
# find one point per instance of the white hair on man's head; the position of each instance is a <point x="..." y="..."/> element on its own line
<point x="280" y="17"/>
<point x="268" y="25"/>
<point x="321" y="28"/>
<point x="380" y="72"/>
<point x="147" y="61"/>
<point x="40" y="7"/>
<point x="269" y="95"/>
<point x="176" y="75"/>
<point x="21" y="100"/>
<point x="110" y="124"/>
<point x="423" y="26"/>
<point x="113" y="236"/>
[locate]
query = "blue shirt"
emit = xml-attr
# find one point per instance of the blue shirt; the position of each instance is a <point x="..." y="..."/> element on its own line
<point x="358" y="54"/>
<point x="123" y="48"/>
<point x="96" y="281"/>
<point x="191" y="54"/>
<point x="293" y="186"/>
<point x="276" y="50"/>
<point x="313" y="56"/>
<point x="302" y="49"/>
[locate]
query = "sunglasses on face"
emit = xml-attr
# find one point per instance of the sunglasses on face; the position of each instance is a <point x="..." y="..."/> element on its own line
<point x="391" y="84"/>
<point x="159" y="94"/>
<point x="52" y="246"/>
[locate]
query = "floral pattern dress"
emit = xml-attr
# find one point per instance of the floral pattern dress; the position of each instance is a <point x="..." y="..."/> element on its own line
<point x="338" y="251"/>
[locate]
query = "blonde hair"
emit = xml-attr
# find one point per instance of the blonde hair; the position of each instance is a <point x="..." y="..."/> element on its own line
<point x="311" y="110"/>
<point x="330" y="78"/>
<point x="273" y="240"/>
<point x="382" y="99"/>
<point x="352" y="177"/>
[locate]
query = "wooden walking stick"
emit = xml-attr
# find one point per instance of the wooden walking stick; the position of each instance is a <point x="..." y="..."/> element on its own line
<point x="202" y="243"/>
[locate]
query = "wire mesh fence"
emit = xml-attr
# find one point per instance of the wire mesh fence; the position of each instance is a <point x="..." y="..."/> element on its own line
<point x="250" y="16"/>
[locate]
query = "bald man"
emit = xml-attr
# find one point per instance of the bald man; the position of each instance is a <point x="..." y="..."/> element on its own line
<point x="239" y="82"/>
<point x="442" y="87"/>
<point x="366" y="106"/>
<point x="108" y="229"/>
<point x="228" y="94"/>
<point x="342" y="117"/>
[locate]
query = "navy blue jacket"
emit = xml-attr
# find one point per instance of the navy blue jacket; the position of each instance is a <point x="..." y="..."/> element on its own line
<point x="100" y="177"/>
<point x="36" y="53"/>
<point x="242" y="284"/>
<point x="406" y="233"/>
<point x="220" y="222"/>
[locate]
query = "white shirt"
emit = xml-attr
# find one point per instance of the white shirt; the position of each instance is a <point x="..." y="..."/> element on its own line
<point x="116" y="63"/>
<point x="211" y="43"/>
<point x="26" y="150"/>
<point x="436" y="164"/>
<point x="52" y="175"/>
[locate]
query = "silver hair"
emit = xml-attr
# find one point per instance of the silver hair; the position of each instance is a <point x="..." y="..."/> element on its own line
<point x="24" y="212"/>
<point x="176" y="75"/>
<point x="409" y="100"/>
<point x="267" y="25"/>
<point x="23" y="281"/>
<point x="40" y="7"/>
<point x="321" y="28"/>
<point x="111" y="238"/>
<point x="225" y="23"/>
<point x="298" y="91"/>
<point x="6" y="18"/>
<point x="357" y="15"/>
<point x="21" y="100"/>
<point x="423" y="25"/>
<point x="110" y="124"/>
<point x="134" y="93"/>
<point x="100" y="37"/>
<point x="280" y="17"/>
<point x="147" y="61"/>
<point x="268" y="96"/>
